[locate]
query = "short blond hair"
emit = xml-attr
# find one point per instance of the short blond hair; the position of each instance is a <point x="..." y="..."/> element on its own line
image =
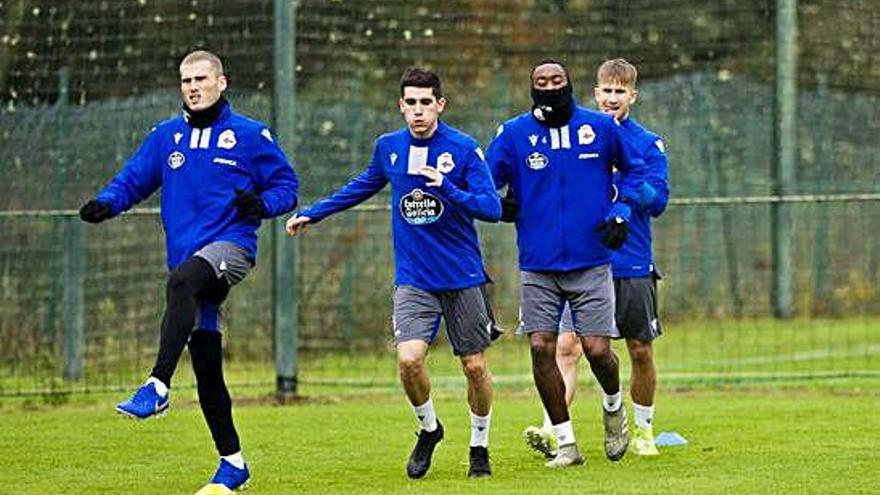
<point x="203" y="55"/>
<point x="618" y="70"/>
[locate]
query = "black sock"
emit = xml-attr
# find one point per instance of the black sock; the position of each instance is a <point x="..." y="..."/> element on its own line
<point x="193" y="279"/>
<point x="206" y="352"/>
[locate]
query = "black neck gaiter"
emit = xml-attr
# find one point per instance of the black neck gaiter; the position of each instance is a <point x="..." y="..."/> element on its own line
<point x="553" y="107"/>
<point x="204" y="118"/>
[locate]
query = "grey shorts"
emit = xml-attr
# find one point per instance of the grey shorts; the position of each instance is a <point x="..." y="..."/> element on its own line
<point x="229" y="261"/>
<point x="466" y="312"/>
<point x="636" y="309"/>
<point x="590" y="293"/>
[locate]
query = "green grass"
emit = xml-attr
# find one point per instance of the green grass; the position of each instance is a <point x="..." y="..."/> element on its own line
<point x="709" y="351"/>
<point x="742" y="440"/>
<point x="748" y="351"/>
<point x="768" y="406"/>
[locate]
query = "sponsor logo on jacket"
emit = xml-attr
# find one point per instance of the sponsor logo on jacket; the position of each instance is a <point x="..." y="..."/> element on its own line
<point x="536" y="161"/>
<point x="420" y="208"/>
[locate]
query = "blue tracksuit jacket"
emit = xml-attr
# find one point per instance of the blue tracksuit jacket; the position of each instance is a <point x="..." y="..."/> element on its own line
<point x="199" y="170"/>
<point x="635" y="258"/>
<point x="436" y="246"/>
<point x="562" y="179"/>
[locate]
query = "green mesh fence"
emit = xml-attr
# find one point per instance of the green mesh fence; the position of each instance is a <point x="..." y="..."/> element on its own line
<point x="81" y="83"/>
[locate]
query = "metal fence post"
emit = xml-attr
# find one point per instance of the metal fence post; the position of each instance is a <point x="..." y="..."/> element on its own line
<point x="73" y="275"/>
<point x="785" y="153"/>
<point x="59" y="178"/>
<point x="821" y="256"/>
<point x="285" y="303"/>
<point x="72" y="264"/>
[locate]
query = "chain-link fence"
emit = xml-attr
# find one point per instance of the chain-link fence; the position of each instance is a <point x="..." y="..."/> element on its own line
<point x="82" y="82"/>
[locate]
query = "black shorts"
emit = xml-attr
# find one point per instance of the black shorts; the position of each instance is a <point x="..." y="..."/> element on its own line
<point x="636" y="308"/>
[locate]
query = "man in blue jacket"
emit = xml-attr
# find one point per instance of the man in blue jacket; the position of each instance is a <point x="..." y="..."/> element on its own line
<point x="635" y="274"/>
<point x="439" y="184"/>
<point x="558" y="160"/>
<point x="221" y="174"/>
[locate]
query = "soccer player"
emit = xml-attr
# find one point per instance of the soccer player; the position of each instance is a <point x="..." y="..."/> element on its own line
<point x="635" y="274"/>
<point x="221" y="174"/>
<point x="558" y="159"/>
<point x="439" y="184"/>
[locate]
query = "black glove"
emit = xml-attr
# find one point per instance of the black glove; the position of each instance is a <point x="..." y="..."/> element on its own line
<point x="249" y="204"/>
<point x="509" y="207"/>
<point x="95" y="211"/>
<point x="614" y="232"/>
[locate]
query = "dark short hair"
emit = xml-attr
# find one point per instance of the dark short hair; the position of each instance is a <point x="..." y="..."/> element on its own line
<point x="421" y="78"/>
<point x="550" y="61"/>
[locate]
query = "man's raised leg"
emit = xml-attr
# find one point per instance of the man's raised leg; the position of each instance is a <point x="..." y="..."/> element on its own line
<point x="185" y="284"/>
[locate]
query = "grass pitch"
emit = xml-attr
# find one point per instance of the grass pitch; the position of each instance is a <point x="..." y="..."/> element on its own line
<point x="742" y="440"/>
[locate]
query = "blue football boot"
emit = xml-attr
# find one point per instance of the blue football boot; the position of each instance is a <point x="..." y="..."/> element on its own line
<point x="144" y="403"/>
<point x="227" y="479"/>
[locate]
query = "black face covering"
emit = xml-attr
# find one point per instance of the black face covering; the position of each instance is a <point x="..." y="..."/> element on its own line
<point x="553" y="107"/>
<point x="204" y="118"/>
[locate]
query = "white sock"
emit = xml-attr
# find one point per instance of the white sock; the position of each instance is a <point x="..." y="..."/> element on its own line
<point x="564" y="433"/>
<point x="235" y="459"/>
<point x="548" y="425"/>
<point x="612" y="402"/>
<point x="644" y="415"/>
<point x="426" y="416"/>
<point x="161" y="388"/>
<point x="480" y="429"/>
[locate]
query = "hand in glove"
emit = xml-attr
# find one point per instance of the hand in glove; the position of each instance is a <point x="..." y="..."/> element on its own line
<point x="615" y="228"/>
<point x="614" y="232"/>
<point x="509" y="207"/>
<point x="95" y="211"/>
<point x="249" y="204"/>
